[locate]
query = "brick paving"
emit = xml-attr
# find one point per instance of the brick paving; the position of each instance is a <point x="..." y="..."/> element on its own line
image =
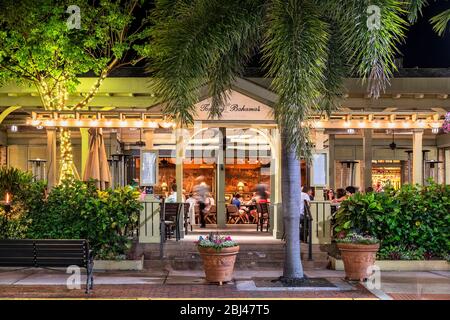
<point x="173" y="291"/>
<point x="404" y="296"/>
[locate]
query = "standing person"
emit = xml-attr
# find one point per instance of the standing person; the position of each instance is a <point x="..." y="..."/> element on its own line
<point x="191" y="202"/>
<point x="310" y="193"/>
<point x="330" y="195"/>
<point x="340" y="195"/>
<point x="201" y="192"/>
<point x="304" y="196"/>
<point x="262" y="195"/>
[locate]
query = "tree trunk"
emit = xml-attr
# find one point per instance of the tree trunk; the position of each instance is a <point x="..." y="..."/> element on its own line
<point x="68" y="170"/>
<point x="291" y="197"/>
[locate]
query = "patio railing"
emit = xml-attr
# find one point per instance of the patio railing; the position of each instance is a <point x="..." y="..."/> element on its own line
<point x="149" y="221"/>
<point x="321" y="224"/>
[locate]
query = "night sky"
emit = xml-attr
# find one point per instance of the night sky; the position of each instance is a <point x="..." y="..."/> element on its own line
<point x="423" y="47"/>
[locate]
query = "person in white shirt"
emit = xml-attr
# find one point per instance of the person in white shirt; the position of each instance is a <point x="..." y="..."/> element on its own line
<point x="191" y="202"/>
<point x="304" y="196"/>
<point x="173" y="195"/>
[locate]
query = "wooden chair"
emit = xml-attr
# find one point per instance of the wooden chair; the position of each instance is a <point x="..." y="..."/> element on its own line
<point x="186" y="218"/>
<point x="197" y="214"/>
<point x="170" y="213"/>
<point x="211" y="215"/>
<point x="263" y="216"/>
<point x="234" y="216"/>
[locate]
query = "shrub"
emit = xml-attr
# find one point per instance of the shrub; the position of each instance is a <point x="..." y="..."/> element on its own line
<point x="77" y="210"/>
<point x="72" y="210"/>
<point x="411" y="223"/>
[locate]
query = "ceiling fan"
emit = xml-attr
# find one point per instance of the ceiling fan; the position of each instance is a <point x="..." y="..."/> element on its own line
<point x="139" y="143"/>
<point x="393" y="146"/>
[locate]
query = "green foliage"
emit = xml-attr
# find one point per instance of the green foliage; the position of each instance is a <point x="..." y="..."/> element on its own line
<point x="12" y="181"/>
<point x="308" y="48"/>
<point x="39" y="49"/>
<point x="77" y="210"/>
<point x="410" y="222"/>
<point x="72" y="210"/>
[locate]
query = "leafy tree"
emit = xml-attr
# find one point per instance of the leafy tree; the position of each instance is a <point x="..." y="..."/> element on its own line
<point x="307" y="47"/>
<point x="40" y="48"/>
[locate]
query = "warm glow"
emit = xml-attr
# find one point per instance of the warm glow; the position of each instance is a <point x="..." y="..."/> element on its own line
<point x="376" y="124"/>
<point x="64" y="123"/>
<point x="391" y="124"/>
<point x="7" y="198"/>
<point x="123" y="123"/>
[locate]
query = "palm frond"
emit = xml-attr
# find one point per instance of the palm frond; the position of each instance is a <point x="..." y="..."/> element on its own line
<point x="414" y="9"/>
<point x="373" y="48"/>
<point x="201" y="42"/>
<point x="440" y="22"/>
<point x="295" y="52"/>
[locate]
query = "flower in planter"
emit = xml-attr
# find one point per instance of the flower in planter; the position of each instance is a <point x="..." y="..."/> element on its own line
<point x="357" y="238"/>
<point x="216" y="241"/>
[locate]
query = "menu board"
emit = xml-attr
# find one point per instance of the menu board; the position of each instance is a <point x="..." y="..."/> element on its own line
<point x="149" y="167"/>
<point x="319" y="170"/>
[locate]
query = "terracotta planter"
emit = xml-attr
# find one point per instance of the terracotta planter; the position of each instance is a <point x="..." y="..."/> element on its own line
<point x="218" y="265"/>
<point x="357" y="258"/>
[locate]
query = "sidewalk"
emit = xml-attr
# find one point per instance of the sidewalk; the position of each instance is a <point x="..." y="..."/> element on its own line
<point x="246" y="284"/>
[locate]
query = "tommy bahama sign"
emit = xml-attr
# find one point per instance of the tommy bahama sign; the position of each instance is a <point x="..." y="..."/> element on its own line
<point x="238" y="108"/>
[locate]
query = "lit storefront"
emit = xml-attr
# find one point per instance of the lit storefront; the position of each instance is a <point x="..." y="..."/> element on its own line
<point x="394" y="139"/>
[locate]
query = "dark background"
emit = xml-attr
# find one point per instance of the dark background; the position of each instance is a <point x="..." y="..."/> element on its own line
<point x="423" y="47"/>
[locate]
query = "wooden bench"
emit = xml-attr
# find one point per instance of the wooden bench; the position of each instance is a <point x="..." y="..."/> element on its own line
<point x="49" y="253"/>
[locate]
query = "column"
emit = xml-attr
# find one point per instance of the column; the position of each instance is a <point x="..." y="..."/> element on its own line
<point x="417" y="168"/>
<point x="180" y="152"/>
<point x="148" y="138"/>
<point x="447" y="166"/>
<point x="52" y="166"/>
<point x="276" y="219"/>
<point x="319" y="143"/>
<point x="366" y="164"/>
<point x="331" y="156"/>
<point x="84" y="149"/>
<point x="220" y="180"/>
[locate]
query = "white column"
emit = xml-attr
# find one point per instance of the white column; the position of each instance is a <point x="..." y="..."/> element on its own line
<point x="180" y="152"/>
<point x="220" y="181"/>
<point x="52" y="166"/>
<point x="320" y="138"/>
<point x="366" y="164"/>
<point x="447" y="166"/>
<point x="148" y="137"/>
<point x="417" y="171"/>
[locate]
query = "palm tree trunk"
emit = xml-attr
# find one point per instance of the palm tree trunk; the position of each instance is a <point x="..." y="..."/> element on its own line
<point x="291" y="197"/>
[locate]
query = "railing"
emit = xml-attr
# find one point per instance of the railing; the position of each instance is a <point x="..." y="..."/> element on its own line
<point x="307" y="229"/>
<point x="321" y="226"/>
<point x="149" y="221"/>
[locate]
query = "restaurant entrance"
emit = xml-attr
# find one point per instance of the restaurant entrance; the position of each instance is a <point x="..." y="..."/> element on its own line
<point x="245" y="158"/>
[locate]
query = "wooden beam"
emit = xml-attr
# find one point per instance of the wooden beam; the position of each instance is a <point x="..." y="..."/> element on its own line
<point x="7" y="112"/>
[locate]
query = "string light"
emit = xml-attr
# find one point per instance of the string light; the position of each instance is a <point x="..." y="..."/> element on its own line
<point x="68" y="171"/>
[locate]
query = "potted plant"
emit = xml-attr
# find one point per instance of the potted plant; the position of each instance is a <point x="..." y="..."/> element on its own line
<point x="219" y="255"/>
<point x="358" y="253"/>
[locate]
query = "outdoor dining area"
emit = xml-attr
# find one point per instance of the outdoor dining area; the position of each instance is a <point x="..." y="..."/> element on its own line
<point x="173" y="221"/>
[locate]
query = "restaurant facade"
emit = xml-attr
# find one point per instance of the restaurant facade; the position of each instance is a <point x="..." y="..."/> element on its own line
<point x="395" y="139"/>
